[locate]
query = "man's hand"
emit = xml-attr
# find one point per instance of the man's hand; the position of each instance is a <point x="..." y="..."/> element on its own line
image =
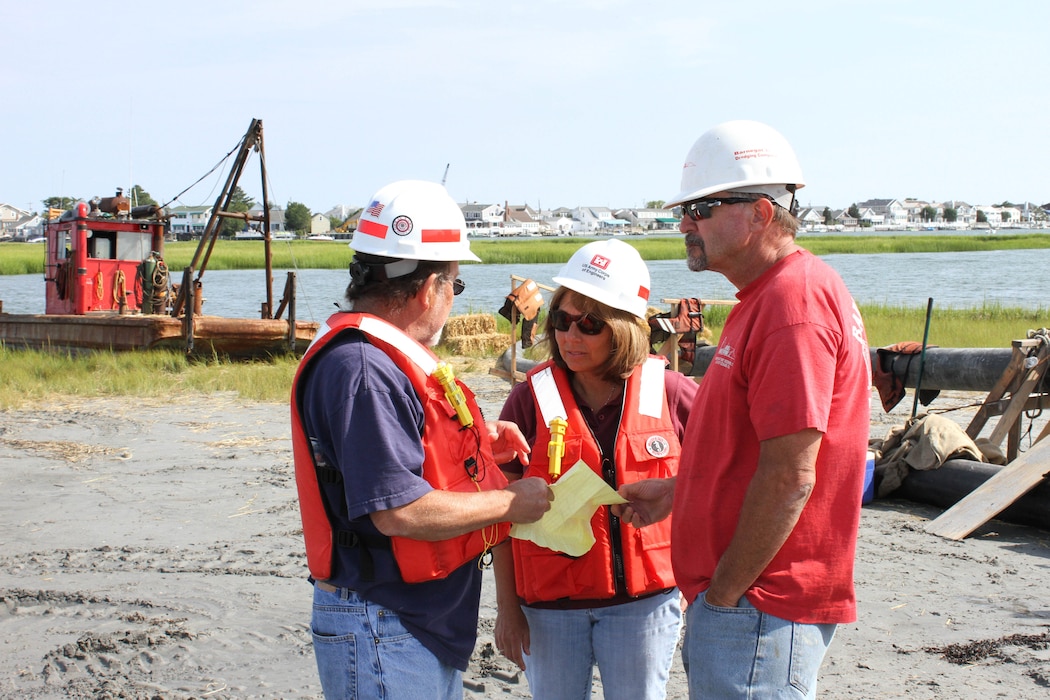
<point x="649" y="501"/>
<point x="507" y="442"/>
<point x="531" y="498"/>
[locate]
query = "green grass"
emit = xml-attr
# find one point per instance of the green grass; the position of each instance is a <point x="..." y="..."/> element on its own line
<point x="23" y="258"/>
<point x="30" y="376"/>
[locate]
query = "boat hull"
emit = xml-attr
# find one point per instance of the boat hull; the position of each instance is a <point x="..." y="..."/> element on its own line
<point x="211" y="335"/>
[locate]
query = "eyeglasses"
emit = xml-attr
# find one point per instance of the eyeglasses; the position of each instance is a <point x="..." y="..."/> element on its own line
<point x="701" y="208"/>
<point x="458" y="286"/>
<point x="585" y="323"/>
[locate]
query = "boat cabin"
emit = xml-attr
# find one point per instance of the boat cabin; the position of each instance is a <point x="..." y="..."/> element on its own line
<point x="102" y="258"/>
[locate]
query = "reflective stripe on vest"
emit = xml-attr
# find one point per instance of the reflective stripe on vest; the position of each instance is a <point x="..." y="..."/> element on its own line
<point x="646" y="447"/>
<point x="446" y="446"/>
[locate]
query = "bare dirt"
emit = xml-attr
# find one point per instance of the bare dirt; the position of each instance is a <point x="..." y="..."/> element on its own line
<point x="153" y="550"/>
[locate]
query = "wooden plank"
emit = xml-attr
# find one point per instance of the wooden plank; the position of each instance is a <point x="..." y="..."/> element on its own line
<point x="993" y="496"/>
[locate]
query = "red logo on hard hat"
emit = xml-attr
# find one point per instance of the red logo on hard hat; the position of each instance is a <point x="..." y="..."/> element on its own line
<point x="643" y="293"/>
<point x="402" y="225"/>
<point x="600" y="261"/>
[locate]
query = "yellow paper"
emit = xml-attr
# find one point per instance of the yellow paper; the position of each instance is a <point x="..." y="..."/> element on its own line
<point x="566" y="527"/>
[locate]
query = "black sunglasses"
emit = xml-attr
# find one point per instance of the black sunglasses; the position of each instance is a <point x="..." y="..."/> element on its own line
<point x="585" y="323"/>
<point x="701" y="208"/>
<point x="458" y="286"/>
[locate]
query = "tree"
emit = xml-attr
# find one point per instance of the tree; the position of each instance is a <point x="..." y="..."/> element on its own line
<point x="62" y="203"/>
<point x="297" y="217"/>
<point x="241" y="203"/>
<point x="854" y="211"/>
<point x="929" y="213"/>
<point x="829" y="218"/>
<point x="655" y="204"/>
<point x="140" y="197"/>
<point x="951" y="214"/>
<point x="982" y="218"/>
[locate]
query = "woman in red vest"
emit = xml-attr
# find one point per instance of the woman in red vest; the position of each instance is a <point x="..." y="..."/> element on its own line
<point x="616" y="605"/>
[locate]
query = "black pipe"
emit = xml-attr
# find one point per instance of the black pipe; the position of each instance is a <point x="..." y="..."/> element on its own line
<point x="955" y="369"/>
<point x="958" y="478"/>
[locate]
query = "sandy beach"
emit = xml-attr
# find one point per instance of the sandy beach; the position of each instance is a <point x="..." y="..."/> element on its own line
<point x="153" y="550"/>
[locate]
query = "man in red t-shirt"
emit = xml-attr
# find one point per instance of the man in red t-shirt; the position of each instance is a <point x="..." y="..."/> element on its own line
<point x="767" y="499"/>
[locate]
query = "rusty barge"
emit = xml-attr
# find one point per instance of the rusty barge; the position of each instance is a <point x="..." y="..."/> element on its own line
<point x="108" y="286"/>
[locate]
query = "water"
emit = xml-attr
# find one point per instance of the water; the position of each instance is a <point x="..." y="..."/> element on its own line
<point x="1014" y="278"/>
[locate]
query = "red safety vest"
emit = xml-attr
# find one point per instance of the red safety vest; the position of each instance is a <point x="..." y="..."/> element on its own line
<point x="447" y="446"/>
<point x="646" y="447"/>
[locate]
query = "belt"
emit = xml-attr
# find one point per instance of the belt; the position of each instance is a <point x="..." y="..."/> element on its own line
<point x="326" y="587"/>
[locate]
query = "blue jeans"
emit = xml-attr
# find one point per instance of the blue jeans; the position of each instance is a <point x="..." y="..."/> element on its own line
<point x="744" y="653"/>
<point x="363" y="651"/>
<point x="633" y="645"/>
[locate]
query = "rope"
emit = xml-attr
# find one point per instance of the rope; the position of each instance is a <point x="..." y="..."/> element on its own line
<point x="98" y="285"/>
<point x="120" y="290"/>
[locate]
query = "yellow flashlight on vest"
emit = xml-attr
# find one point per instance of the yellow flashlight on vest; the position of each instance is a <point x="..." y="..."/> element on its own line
<point x="454" y="394"/>
<point x="556" y="447"/>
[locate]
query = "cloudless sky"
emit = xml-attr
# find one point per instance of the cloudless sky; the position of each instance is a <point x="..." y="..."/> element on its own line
<point x="546" y="102"/>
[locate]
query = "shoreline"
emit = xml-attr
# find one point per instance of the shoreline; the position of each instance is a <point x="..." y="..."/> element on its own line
<point x="154" y="551"/>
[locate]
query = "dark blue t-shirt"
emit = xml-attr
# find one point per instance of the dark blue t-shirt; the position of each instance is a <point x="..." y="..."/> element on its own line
<point x="368" y="422"/>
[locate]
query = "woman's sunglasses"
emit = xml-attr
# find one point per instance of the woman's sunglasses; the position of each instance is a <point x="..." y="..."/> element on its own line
<point x="585" y="323"/>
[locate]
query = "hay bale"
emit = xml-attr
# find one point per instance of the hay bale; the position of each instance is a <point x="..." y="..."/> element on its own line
<point x="477" y="344"/>
<point x="470" y="324"/>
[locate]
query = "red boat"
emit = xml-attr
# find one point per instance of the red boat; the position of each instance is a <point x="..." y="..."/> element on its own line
<point x="108" y="287"/>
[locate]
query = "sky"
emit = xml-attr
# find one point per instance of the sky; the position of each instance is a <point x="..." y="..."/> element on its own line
<point x="542" y="102"/>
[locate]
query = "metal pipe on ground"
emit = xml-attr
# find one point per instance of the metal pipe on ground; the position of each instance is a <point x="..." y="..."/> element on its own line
<point x="957" y="478"/>
<point x="953" y="369"/>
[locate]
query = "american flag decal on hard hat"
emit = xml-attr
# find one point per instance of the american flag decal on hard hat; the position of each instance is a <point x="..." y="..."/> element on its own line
<point x="375" y="208"/>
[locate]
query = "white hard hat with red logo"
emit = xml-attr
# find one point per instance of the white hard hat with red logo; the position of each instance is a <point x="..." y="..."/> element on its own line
<point x="740" y="156"/>
<point x="413" y="220"/>
<point x="611" y="272"/>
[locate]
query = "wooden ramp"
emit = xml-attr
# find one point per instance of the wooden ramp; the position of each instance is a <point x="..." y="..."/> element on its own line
<point x="993" y="496"/>
<point x="1022" y="381"/>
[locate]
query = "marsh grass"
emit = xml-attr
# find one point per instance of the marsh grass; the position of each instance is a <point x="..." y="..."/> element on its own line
<point x="30" y="376"/>
<point x="25" y="258"/>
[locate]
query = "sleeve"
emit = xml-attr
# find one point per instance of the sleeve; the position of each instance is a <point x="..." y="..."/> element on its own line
<point x="366" y="414"/>
<point x="792" y="379"/>
<point x="681" y="390"/>
<point x="520" y="409"/>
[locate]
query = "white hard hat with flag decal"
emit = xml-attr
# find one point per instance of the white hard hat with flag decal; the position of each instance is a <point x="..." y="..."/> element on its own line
<point x="611" y="272"/>
<point x="413" y="220"/>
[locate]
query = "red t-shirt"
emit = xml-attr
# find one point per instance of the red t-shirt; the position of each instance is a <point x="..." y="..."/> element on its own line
<point x="793" y="355"/>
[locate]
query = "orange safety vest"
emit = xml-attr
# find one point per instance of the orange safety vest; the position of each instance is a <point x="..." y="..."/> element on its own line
<point x="455" y="458"/>
<point x="647" y="446"/>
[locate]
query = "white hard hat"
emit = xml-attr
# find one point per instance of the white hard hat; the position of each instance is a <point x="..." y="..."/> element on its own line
<point x="413" y="220"/>
<point x="742" y="156"/>
<point x="611" y="272"/>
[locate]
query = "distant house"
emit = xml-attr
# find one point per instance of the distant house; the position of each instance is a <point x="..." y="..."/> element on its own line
<point x="811" y="217"/>
<point x="188" y="222"/>
<point x="842" y="218"/>
<point x="521" y="219"/>
<point x="320" y="223"/>
<point x="598" y="220"/>
<point x="890" y="213"/>
<point x="649" y="220"/>
<point x="9" y="217"/>
<point x="276" y="219"/>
